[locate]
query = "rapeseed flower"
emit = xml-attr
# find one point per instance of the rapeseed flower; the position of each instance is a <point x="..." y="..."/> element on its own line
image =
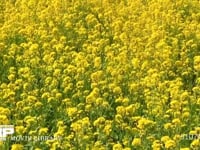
<point x="185" y="148"/>
<point x="156" y="145"/>
<point x="169" y="144"/>
<point x="4" y="120"/>
<point x="43" y="131"/>
<point x="195" y="144"/>
<point x="136" y="142"/>
<point x="20" y="129"/>
<point x="72" y="111"/>
<point x="17" y="147"/>
<point x="197" y="63"/>
<point x="117" y="147"/>
<point x="101" y="73"/>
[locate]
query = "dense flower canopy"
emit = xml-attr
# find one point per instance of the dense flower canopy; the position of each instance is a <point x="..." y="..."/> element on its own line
<point x="100" y="74"/>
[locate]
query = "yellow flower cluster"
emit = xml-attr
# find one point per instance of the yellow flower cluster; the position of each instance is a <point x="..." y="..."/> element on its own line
<point x="100" y="74"/>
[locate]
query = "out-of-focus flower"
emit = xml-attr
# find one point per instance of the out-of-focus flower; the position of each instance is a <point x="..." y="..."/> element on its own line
<point x="136" y="142"/>
<point x="17" y="147"/>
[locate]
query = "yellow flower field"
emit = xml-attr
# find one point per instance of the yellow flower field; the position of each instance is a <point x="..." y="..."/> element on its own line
<point x="100" y="74"/>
